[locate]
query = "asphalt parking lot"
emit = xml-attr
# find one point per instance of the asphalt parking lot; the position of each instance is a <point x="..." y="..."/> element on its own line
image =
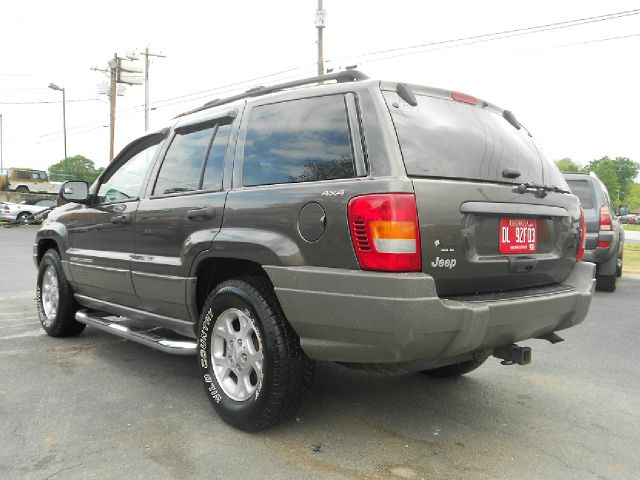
<point x="97" y="407"/>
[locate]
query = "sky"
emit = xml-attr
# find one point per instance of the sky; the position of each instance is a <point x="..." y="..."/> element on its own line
<point x="575" y="88"/>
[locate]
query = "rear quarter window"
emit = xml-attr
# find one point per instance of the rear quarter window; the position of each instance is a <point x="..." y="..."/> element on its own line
<point x="298" y="141"/>
<point x="582" y="190"/>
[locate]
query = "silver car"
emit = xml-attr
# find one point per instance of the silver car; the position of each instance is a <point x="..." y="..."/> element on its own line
<point x="24" y="210"/>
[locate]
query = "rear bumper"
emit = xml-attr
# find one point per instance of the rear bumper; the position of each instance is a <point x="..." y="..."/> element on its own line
<point x="604" y="257"/>
<point x="371" y="317"/>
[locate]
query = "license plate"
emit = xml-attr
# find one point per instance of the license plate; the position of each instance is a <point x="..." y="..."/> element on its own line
<point x="518" y="235"/>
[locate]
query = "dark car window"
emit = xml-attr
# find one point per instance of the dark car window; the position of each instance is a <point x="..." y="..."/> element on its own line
<point x="212" y="179"/>
<point x="22" y="175"/>
<point x="182" y="165"/>
<point x="582" y="190"/>
<point x="446" y="138"/>
<point x="125" y="183"/>
<point x="298" y="141"/>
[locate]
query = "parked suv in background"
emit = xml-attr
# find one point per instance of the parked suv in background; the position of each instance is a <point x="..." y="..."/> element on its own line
<point x="377" y="224"/>
<point x="605" y="234"/>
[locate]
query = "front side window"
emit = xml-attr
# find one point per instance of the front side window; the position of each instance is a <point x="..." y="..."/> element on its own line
<point x="180" y="170"/>
<point x="126" y="182"/>
<point x="298" y="141"/>
<point x="212" y="179"/>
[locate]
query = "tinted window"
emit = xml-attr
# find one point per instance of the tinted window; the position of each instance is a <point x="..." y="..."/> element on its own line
<point x="22" y="175"/>
<point x="445" y="138"/>
<point x="126" y="182"/>
<point x="182" y="165"/>
<point x="582" y="190"/>
<point x="212" y="179"/>
<point x="298" y="141"/>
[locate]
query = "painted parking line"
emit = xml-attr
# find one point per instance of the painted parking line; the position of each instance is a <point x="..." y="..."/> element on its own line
<point x="17" y="318"/>
<point x="30" y="333"/>
<point x="16" y="325"/>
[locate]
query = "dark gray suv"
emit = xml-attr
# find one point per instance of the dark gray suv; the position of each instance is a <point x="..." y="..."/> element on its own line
<point x="605" y="234"/>
<point x="378" y="224"/>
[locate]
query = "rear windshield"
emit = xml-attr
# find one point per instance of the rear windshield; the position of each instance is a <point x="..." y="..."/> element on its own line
<point x="582" y="190"/>
<point x="445" y="138"/>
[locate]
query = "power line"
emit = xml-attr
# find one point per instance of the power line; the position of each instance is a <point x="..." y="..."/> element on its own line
<point x="441" y="44"/>
<point x="51" y="101"/>
<point x="499" y="35"/>
<point x="503" y="34"/>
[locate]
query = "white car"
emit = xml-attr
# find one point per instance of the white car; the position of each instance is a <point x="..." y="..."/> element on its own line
<point x="24" y="210"/>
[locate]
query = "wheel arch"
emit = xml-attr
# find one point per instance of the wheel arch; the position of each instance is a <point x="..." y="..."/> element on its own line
<point x="43" y="245"/>
<point x="211" y="271"/>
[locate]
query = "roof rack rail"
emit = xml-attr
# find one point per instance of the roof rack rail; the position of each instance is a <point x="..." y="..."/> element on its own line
<point x="340" y="77"/>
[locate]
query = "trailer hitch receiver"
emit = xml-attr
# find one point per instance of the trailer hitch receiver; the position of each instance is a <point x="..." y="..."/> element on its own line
<point x="513" y="355"/>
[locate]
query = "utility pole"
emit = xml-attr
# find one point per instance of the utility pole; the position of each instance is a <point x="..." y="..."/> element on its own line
<point x="64" y="120"/>
<point x="320" y="18"/>
<point x="113" y="65"/>
<point x="146" y="88"/>
<point x="146" y="83"/>
<point x="53" y="86"/>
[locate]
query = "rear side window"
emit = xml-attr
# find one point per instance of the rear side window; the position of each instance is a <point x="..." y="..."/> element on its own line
<point x="22" y="175"/>
<point x="298" y="141"/>
<point x="582" y="190"/>
<point x="445" y="138"/>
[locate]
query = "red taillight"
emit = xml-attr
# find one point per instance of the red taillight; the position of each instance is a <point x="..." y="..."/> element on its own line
<point x="606" y="223"/>
<point x="603" y="244"/>
<point x="583" y="236"/>
<point x="464" y="98"/>
<point x="385" y="232"/>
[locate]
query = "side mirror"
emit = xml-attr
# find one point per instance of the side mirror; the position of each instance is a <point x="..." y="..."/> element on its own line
<point x="75" y="191"/>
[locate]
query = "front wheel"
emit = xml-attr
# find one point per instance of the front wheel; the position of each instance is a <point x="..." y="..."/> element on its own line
<point x="54" y="299"/>
<point x="24" y="217"/>
<point x="254" y="372"/>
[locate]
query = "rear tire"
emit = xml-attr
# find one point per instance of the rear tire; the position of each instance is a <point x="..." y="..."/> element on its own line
<point x="22" y="189"/>
<point x="457" y="369"/>
<point x="619" y="269"/>
<point x="606" y="283"/>
<point x="254" y="372"/>
<point x="56" y="304"/>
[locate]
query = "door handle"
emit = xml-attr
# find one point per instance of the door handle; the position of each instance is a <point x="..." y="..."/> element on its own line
<point x="120" y="219"/>
<point x="204" y="213"/>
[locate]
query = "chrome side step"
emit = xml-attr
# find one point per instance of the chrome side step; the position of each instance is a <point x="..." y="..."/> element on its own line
<point x="168" y="342"/>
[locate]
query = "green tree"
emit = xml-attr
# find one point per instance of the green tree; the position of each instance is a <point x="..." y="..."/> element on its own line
<point x="633" y="198"/>
<point x="605" y="169"/>
<point x="77" y="167"/>
<point x="567" y="165"/>
<point x="626" y="171"/>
